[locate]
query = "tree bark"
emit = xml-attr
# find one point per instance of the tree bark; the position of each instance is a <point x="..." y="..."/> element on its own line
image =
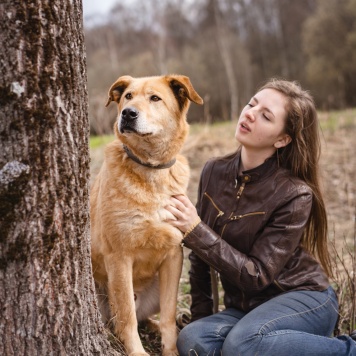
<point x="47" y="300"/>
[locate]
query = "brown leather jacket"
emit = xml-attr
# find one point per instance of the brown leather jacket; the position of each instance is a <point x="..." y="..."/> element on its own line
<point x="250" y="233"/>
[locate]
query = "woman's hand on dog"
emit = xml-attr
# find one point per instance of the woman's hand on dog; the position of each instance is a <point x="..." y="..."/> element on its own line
<point x="184" y="211"/>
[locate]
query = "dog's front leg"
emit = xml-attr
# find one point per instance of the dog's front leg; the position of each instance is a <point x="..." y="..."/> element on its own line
<point x="122" y="303"/>
<point x="169" y="275"/>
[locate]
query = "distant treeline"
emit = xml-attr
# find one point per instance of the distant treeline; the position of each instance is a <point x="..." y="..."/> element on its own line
<point x="228" y="48"/>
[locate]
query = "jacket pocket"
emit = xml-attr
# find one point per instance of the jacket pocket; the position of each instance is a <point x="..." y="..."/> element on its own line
<point x="247" y="225"/>
<point x="238" y="217"/>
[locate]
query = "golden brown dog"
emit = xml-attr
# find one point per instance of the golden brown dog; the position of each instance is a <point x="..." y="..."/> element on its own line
<point x="136" y="255"/>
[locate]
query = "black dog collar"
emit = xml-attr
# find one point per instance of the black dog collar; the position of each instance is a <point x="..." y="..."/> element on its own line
<point x="149" y="165"/>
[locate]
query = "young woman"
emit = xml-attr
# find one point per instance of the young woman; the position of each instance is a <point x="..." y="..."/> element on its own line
<point x="261" y="223"/>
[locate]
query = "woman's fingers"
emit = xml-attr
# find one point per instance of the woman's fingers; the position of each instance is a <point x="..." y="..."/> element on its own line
<point x="177" y="203"/>
<point x="174" y="210"/>
<point x="183" y="210"/>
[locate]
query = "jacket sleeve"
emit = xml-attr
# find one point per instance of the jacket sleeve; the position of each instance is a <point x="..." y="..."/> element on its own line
<point x="199" y="276"/>
<point x="200" y="288"/>
<point x="270" y="252"/>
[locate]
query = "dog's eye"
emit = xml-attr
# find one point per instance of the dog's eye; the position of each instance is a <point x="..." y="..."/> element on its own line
<point x="155" y="98"/>
<point x="128" y="96"/>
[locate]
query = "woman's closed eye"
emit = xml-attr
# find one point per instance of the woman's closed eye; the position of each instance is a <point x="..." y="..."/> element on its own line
<point x="266" y="117"/>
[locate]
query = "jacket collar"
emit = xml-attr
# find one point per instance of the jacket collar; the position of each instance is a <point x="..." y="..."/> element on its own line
<point x="267" y="168"/>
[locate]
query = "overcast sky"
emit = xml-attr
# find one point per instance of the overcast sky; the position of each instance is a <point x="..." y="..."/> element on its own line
<point x="92" y="7"/>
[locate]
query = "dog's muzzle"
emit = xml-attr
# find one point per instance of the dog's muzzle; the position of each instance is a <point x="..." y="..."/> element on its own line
<point x="128" y="121"/>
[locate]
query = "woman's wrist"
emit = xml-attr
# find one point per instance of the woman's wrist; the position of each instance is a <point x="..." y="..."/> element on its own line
<point x="192" y="227"/>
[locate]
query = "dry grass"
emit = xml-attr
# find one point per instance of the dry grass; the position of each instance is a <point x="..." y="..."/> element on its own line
<point x="338" y="167"/>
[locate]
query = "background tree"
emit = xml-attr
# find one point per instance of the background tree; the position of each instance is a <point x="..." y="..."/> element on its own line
<point x="47" y="297"/>
<point x="329" y="42"/>
<point x="228" y="48"/>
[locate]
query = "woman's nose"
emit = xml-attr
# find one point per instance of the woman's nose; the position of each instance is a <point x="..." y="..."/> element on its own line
<point x="250" y="115"/>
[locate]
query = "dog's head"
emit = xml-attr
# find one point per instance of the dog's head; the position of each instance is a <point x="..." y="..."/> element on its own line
<point x="152" y="108"/>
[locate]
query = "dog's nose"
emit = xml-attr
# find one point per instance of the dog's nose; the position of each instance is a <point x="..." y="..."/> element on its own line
<point x="129" y="114"/>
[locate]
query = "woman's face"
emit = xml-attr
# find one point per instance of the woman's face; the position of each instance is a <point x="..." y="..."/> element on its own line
<point x="262" y="122"/>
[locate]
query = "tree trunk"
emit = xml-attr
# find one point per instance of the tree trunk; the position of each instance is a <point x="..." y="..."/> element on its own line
<point x="47" y="300"/>
<point x="222" y="40"/>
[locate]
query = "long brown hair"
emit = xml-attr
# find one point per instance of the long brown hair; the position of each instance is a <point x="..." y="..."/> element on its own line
<point x="301" y="157"/>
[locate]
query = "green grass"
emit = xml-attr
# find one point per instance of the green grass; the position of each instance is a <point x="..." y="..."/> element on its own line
<point x="341" y="119"/>
<point x="98" y="141"/>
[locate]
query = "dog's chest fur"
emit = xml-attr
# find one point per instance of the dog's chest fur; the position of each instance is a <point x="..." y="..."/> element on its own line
<point x="136" y="196"/>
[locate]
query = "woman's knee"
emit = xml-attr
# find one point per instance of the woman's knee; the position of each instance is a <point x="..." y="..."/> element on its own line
<point x="242" y="340"/>
<point x="202" y="337"/>
<point x="187" y="339"/>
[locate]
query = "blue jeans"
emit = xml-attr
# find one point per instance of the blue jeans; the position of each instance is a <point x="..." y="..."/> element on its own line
<point x="296" y="323"/>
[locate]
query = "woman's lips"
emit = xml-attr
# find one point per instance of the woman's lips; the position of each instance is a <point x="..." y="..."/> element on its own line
<point x="244" y="127"/>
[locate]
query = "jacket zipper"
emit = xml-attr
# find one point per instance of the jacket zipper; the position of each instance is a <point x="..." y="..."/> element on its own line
<point x="243" y="301"/>
<point x="220" y="212"/>
<point x="241" y="189"/>
<point x="238" y="217"/>
<point x="279" y="286"/>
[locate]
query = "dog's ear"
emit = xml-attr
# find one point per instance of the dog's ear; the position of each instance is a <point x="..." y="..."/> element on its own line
<point x="118" y="88"/>
<point x="183" y="89"/>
